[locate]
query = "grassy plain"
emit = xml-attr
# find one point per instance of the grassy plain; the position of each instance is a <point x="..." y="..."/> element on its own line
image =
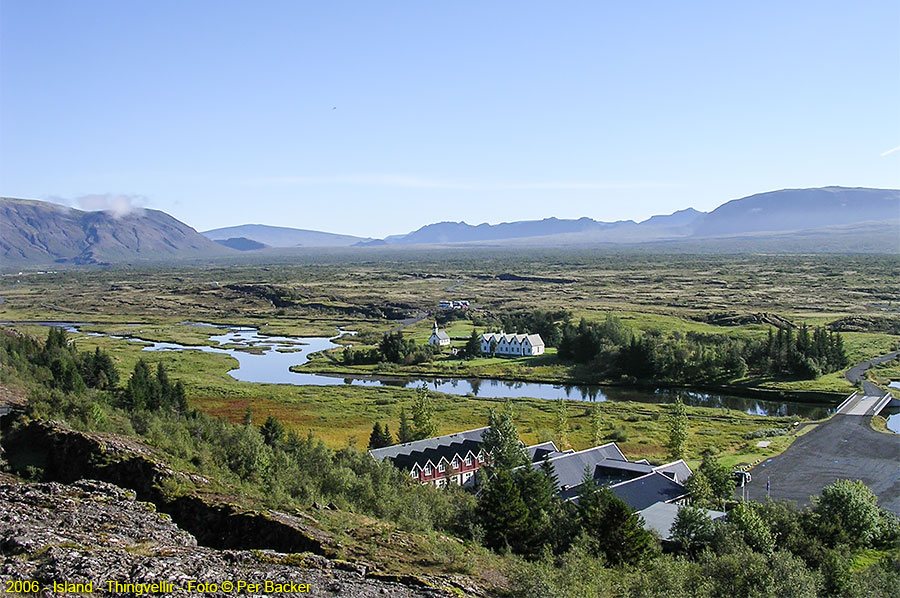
<point x="371" y="292"/>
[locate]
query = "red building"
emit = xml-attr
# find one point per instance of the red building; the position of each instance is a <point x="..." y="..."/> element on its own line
<point x="450" y="459"/>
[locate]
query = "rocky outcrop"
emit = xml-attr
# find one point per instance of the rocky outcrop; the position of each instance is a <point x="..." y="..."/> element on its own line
<point x="66" y="455"/>
<point x="736" y="319"/>
<point x="889" y="325"/>
<point x="98" y="533"/>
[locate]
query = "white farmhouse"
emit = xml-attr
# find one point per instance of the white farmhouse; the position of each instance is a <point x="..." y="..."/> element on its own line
<point x="512" y="344"/>
<point x="439" y="338"/>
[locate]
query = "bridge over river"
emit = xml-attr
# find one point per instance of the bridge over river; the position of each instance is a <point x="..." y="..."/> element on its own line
<point x="843" y="447"/>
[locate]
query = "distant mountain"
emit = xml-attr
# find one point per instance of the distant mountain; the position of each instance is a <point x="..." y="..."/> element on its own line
<point x="460" y="232"/>
<point x="685" y="217"/>
<point x="830" y="219"/>
<point x="279" y="236"/>
<point x="766" y="213"/>
<point x="550" y="230"/>
<point x="800" y="209"/>
<point x="37" y="232"/>
<point x="242" y="244"/>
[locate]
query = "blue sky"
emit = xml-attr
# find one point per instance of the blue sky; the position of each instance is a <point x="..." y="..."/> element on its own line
<point x="374" y="118"/>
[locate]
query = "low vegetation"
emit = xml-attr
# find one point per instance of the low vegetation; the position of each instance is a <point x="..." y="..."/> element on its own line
<point x="544" y="545"/>
<point x="678" y="319"/>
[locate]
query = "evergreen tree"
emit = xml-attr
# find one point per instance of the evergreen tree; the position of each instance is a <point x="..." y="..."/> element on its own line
<point x="161" y="391"/>
<point x="423" y="422"/>
<point x="139" y="389"/>
<point x="611" y="528"/>
<point x="375" y="436"/>
<point x="380" y="436"/>
<point x="272" y="431"/>
<point x="562" y="424"/>
<point x="473" y="345"/>
<point x="404" y="433"/>
<point x="596" y="424"/>
<point x="677" y="430"/>
<point x="538" y="492"/>
<point x="501" y="441"/>
<point x="502" y="512"/>
<point x="387" y="438"/>
<point x="179" y="400"/>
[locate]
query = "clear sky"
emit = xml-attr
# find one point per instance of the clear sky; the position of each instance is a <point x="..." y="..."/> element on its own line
<point x="374" y="118"/>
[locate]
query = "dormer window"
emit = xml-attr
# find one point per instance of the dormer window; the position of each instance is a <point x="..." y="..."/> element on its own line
<point x="413" y="474"/>
<point x="481" y="457"/>
<point x="428" y="470"/>
<point x="468" y="460"/>
<point x="455" y="463"/>
<point x="440" y="466"/>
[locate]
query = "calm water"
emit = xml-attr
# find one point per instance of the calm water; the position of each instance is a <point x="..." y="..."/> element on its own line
<point x="893" y="414"/>
<point x="271" y="366"/>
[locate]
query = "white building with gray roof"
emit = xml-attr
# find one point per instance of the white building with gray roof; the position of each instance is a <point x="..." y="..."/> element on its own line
<point x="512" y="344"/>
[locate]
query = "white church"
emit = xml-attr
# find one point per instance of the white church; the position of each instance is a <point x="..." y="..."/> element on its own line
<point x="512" y="344"/>
<point x="439" y="338"/>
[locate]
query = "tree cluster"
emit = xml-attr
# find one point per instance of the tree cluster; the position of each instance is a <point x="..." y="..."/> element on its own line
<point x="613" y="350"/>
<point x="396" y="349"/>
<point x="59" y="363"/>
<point x="520" y="510"/>
<point x="154" y="392"/>
<point x="381" y="436"/>
<point x="805" y="355"/>
<point x="548" y="323"/>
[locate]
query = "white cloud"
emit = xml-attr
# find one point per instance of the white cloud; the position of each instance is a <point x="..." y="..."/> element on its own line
<point x="118" y="205"/>
<point x="890" y="151"/>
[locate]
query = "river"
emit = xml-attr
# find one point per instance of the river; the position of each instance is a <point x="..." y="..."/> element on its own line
<point x="276" y="354"/>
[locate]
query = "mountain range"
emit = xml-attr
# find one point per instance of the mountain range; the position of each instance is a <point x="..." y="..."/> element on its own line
<point x="39" y="233"/>
<point x="804" y="220"/>
<point x="765" y="213"/>
<point x="280" y="236"/>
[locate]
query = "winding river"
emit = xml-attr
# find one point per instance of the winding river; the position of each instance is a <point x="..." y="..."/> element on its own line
<point x="274" y="355"/>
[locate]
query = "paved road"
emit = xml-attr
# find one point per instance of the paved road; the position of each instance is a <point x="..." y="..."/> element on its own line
<point x="856" y="373"/>
<point x="409" y="322"/>
<point x="862" y="404"/>
<point x="844" y="447"/>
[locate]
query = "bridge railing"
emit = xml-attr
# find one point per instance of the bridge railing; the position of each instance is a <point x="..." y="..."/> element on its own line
<point x="847" y="400"/>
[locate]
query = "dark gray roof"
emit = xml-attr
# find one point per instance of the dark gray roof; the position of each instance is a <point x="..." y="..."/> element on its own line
<point x="390" y="452"/>
<point x="544" y="450"/>
<point x="660" y="516"/>
<point x="679" y="468"/>
<point x="646" y="490"/>
<point x="570" y="467"/>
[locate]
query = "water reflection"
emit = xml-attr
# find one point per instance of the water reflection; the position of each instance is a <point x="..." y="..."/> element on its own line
<point x="268" y="365"/>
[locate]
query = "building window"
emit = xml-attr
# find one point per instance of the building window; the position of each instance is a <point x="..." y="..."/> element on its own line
<point x="413" y="474"/>
<point x="481" y="457"/>
<point x="455" y="463"/>
<point x="468" y="460"/>
<point x="428" y="470"/>
<point x="440" y="467"/>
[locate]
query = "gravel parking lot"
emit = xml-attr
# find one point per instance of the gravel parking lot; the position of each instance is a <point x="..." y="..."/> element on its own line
<point x="844" y="447"/>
